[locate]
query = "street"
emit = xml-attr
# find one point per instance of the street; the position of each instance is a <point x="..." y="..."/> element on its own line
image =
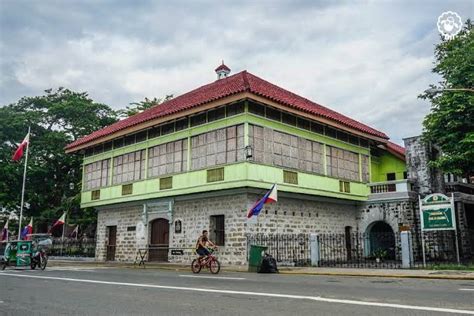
<point x="83" y="290"/>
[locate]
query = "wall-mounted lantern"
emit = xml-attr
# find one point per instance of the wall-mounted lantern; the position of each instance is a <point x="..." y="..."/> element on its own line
<point x="248" y="152"/>
<point x="177" y="227"/>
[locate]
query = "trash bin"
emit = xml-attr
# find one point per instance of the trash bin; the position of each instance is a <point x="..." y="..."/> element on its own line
<point x="255" y="257"/>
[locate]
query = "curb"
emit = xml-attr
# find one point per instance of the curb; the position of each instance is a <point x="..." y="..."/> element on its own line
<point x="282" y="271"/>
<point x="393" y="276"/>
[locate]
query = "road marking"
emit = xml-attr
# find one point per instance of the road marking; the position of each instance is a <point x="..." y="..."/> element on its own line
<point x="209" y="277"/>
<point x="88" y="269"/>
<point x="290" y="296"/>
<point x="466" y="289"/>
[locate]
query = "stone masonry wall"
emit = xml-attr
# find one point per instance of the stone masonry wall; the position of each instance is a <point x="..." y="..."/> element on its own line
<point x="288" y="216"/>
<point x="122" y="217"/>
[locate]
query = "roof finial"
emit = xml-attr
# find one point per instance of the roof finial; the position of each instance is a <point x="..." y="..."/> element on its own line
<point x="222" y="71"/>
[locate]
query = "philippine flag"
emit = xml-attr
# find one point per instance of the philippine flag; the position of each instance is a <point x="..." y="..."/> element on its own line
<point x="27" y="230"/>
<point x="60" y="221"/>
<point x="21" y="148"/>
<point x="271" y="196"/>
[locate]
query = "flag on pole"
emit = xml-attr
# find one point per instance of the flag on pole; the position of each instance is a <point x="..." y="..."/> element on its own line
<point x="75" y="232"/>
<point x="28" y="230"/>
<point x="60" y="221"/>
<point x="21" y="148"/>
<point x="270" y="196"/>
<point x="5" y="232"/>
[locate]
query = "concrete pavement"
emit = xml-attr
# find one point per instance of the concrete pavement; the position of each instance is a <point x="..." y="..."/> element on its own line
<point x="359" y="272"/>
<point x="102" y="290"/>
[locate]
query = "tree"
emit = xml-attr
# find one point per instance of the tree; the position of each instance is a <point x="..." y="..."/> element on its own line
<point x="450" y="123"/>
<point x="54" y="177"/>
<point x="138" y="107"/>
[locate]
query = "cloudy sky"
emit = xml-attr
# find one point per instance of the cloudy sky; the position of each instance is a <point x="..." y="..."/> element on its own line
<point x="366" y="59"/>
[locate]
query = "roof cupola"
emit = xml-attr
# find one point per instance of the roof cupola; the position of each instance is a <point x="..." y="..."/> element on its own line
<point x="222" y="71"/>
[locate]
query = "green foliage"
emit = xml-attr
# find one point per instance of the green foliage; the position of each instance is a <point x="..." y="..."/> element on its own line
<point x="450" y="124"/>
<point x="380" y="253"/>
<point x="54" y="178"/>
<point x="138" y="107"/>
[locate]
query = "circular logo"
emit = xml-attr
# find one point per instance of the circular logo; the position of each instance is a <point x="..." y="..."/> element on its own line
<point x="449" y="24"/>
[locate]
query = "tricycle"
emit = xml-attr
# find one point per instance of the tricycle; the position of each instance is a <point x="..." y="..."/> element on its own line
<point x="24" y="253"/>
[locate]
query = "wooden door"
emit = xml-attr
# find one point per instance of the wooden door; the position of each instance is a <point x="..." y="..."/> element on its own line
<point x="159" y="240"/>
<point x="111" y="242"/>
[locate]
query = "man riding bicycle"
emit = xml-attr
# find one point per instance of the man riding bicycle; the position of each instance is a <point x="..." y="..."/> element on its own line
<point x="202" y="245"/>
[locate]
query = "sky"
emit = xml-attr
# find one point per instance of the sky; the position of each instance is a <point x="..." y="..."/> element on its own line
<point x="366" y="59"/>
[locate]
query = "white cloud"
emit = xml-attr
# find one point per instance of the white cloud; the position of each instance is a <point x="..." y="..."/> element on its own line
<point x="366" y="60"/>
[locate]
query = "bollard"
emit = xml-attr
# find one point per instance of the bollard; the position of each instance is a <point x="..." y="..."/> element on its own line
<point x="314" y="249"/>
<point x="407" y="250"/>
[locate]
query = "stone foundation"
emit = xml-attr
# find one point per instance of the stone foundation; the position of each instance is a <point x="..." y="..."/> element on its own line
<point x="291" y="215"/>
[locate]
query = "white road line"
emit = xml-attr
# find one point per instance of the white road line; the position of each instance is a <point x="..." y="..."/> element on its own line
<point x="209" y="277"/>
<point x="301" y="297"/>
<point x="466" y="289"/>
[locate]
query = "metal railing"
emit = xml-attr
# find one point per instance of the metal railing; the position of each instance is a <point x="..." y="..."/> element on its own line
<point x="360" y="250"/>
<point x="72" y="248"/>
<point x="291" y="249"/>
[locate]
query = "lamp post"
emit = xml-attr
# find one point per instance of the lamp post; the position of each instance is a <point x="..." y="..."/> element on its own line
<point x="436" y="90"/>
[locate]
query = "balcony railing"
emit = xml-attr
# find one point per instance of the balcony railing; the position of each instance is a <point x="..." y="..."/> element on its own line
<point x="390" y="189"/>
<point x="452" y="187"/>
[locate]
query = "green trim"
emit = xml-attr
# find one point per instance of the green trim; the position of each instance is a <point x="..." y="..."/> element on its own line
<point x="188" y="155"/>
<point x="244" y="174"/>
<point x="325" y="160"/>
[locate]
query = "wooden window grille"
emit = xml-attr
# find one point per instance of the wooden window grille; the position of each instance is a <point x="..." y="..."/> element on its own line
<point x="290" y="177"/>
<point x="214" y="175"/>
<point x="166" y="183"/>
<point x="127" y="189"/>
<point x="95" y="195"/>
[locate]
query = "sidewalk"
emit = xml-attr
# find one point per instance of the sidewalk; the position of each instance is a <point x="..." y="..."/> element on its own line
<point x="384" y="273"/>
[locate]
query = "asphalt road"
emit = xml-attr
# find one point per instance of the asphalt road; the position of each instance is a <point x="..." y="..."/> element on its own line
<point x="122" y="291"/>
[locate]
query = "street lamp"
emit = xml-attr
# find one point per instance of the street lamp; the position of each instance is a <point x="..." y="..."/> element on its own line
<point x="436" y="90"/>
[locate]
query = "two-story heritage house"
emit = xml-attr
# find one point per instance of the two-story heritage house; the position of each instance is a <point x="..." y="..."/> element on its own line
<point x="200" y="160"/>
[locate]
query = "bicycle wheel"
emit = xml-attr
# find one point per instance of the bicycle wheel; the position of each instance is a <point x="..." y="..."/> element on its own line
<point x="196" y="266"/>
<point x="214" y="266"/>
<point x="43" y="262"/>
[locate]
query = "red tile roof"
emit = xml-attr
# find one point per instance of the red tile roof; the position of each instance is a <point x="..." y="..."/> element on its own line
<point x="222" y="67"/>
<point x="396" y="149"/>
<point x="240" y="82"/>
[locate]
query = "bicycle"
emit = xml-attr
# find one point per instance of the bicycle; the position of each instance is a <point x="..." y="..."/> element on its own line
<point x="210" y="262"/>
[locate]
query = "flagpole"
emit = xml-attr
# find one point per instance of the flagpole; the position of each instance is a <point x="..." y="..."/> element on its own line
<point x="62" y="237"/>
<point x="23" y="188"/>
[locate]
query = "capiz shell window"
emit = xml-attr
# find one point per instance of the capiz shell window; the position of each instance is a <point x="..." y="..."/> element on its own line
<point x="129" y="167"/>
<point x="96" y="174"/>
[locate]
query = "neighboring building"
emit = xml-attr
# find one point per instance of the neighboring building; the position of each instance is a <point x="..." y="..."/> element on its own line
<point x="200" y="160"/>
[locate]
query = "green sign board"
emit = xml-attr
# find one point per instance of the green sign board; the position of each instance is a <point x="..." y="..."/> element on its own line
<point x="437" y="213"/>
<point x="438" y="219"/>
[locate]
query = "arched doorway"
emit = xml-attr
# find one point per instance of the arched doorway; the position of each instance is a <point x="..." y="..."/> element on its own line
<point x="159" y="238"/>
<point x="381" y="240"/>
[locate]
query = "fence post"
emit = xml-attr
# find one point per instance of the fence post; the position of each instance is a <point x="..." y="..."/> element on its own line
<point x="407" y="250"/>
<point x="314" y="249"/>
